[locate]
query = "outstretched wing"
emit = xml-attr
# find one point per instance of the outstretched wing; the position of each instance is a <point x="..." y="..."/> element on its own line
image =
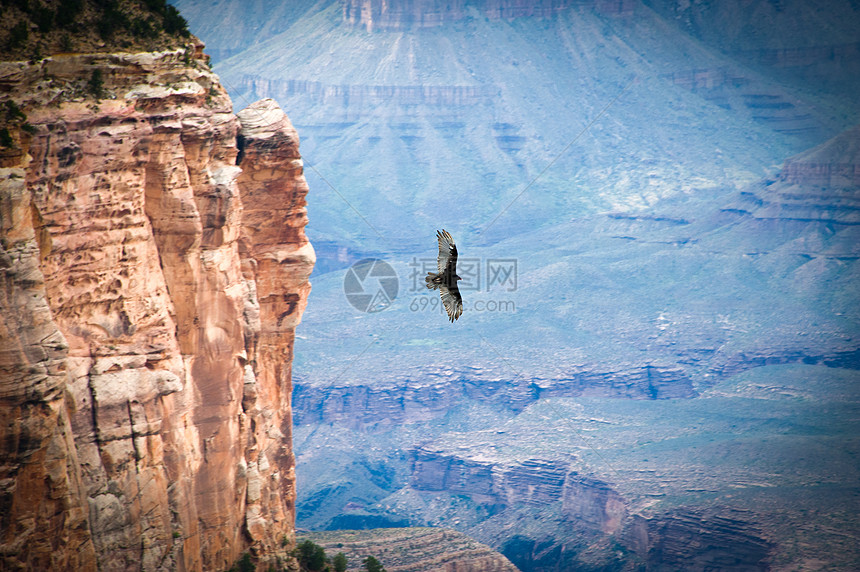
<point x="447" y="252"/>
<point x="451" y="300"/>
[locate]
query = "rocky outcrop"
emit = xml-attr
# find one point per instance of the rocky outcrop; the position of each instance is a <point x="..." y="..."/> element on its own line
<point x="43" y="507"/>
<point x="536" y="482"/>
<point x="693" y="538"/>
<point x="698" y="540"/>
<point x="148" y="317"/>
<point x="834" y="164"/>
<point x="276" y="260"/>
<point x="814" y="189"/>
<point x="412" y="550"/>
<point x="733" y="88"/>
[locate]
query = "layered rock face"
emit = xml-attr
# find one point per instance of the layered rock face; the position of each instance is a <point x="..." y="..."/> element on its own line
<point x="148" y="317"/>
<point x="412" y="400"/>
<point x="535" y="482"/>
<point x="383" y="15"/>
<point x="369" y="95"/>
<point x="413" y="550"/>
<point x="699" y="540"/>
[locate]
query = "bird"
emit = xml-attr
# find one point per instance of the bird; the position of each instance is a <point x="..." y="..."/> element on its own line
<point x="446" y="279"/>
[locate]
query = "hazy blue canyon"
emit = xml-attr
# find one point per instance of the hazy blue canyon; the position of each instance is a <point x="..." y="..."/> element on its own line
<point x="657" y="207"/>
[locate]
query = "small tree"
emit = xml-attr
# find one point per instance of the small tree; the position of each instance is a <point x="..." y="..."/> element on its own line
<point x="339" y="562"/>
<point x="311" y="556"/>
<point x="14" y="112"/>
<point x="18" y="35"/>
<point x="6" y="138"/>
<point x="67" y="11"/>
<point x="96" y="84"/>
<point x="174" y="23"/>
<point x="244" y="564"/>
<point x="371" y="564"/>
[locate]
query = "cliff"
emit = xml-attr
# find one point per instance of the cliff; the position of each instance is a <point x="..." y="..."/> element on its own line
<point x="704" y="483"/>
<point x="413" y="550"/>
<point x="154" y="270"/>
<point x="434" y="392"/>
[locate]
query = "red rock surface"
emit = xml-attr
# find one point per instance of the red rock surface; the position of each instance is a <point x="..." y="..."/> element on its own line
<point x="150" y="292"/>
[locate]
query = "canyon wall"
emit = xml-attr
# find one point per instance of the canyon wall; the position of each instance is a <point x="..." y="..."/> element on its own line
<point x="834" y="167"/>
<point x="535" y="482"/>
<point x="693" y="538"/>
<point x="414" y="400"/>
<point x="383" y="15"/>
<point x="356" y="94"/>
<point x="154" y="270"/>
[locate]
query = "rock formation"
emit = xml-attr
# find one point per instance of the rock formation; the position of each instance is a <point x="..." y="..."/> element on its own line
<point x="154" y="270"/>
<point x="412" y="550"/>
<point x="433" y="393"/>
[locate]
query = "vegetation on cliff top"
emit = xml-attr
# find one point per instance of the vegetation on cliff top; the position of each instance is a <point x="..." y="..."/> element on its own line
<point x="309" y="557"/>
<point x="32" y="29"/>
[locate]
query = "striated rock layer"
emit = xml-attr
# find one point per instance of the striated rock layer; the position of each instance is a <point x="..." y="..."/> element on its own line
<point x="412" y="550"/>
<point x="403" y="14"/>
<point x="413" y="400"/>
<point x="151" y="287"/>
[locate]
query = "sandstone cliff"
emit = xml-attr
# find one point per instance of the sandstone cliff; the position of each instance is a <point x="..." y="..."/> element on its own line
<point x="154" y="270"/>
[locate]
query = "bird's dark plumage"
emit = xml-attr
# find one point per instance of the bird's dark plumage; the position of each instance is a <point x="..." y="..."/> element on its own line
<point x="446" y="279"/>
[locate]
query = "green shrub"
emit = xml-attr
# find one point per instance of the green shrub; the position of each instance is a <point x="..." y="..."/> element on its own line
<point x="111" y="20"/>
<point x="142" y="28"/>
<point x="18" y="35"/>
<point x="6" y="138"/>
<point x="371" y="564"/>
<point x="174" y="23"/>
<point x="311" y="556"/>
<point x="156" y="5"/>
<point x="13" y="112"/>
<point x="23" y="5"/>
<point x="44" y="18"/>
<point x="67" y="11"/>
<point x="244" y="564"/>
<point x="95" y="85"/>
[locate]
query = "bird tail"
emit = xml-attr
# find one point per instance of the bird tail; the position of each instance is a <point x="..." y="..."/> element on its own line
<point x="432" y="280"/>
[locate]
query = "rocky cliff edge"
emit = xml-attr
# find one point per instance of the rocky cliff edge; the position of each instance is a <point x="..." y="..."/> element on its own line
<point x="153" y="268"/>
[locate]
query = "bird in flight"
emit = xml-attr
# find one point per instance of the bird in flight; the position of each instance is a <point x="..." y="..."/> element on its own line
<point x="446" y="279"/>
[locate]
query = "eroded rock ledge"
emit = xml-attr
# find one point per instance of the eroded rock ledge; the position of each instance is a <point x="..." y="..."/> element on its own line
<point x="150" y="292"/>
<point x="413" y="550"/>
